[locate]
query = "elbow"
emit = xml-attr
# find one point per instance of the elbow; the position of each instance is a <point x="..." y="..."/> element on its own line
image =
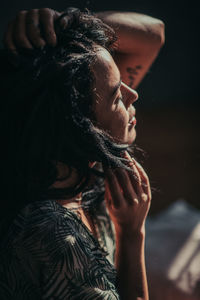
<point x="153" y="32"/>
<point x="159" y="33"/>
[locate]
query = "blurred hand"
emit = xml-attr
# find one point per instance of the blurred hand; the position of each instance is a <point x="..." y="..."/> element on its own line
<point x="33" y="28"/>
<point x="128" y="197"/>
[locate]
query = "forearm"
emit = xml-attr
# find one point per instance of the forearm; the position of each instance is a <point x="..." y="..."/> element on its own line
<point x="140" y="38"/>
<point x="130" y="265"/>
<point x="128" y="208"/>
<point x="134" y="30"/>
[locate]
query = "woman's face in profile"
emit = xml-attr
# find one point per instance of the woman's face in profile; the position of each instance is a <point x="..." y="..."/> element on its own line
<point x="113" y="107"/>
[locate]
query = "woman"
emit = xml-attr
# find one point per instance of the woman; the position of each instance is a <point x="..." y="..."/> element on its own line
<point x="69" y="108"/>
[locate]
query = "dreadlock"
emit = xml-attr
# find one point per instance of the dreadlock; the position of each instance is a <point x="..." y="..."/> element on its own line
<point x="47" y="113"/>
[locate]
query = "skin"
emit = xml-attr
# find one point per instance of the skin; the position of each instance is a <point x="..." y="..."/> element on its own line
<point x="128" y="193"/>
<point x="140" y="38"/>
<point x="111" y="103"/>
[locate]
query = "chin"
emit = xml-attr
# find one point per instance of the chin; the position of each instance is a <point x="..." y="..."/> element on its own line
<point x="131" y="137"/>
<point x="130" y="142"/>
<point x="128" y="138"/>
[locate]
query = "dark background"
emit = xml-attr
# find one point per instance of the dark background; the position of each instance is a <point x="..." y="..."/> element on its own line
<point x="168" y="108"/>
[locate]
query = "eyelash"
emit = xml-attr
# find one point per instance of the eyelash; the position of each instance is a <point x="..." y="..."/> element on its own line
<point x="118" y="99"/>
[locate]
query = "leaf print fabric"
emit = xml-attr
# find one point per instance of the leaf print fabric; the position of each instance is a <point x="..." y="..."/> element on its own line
<point x="50" y="254"/>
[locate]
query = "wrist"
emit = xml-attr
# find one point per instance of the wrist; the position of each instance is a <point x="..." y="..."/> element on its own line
<point x="127" y="233"/>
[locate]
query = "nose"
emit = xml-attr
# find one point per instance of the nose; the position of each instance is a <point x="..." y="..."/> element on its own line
<point x="131" y="95"/>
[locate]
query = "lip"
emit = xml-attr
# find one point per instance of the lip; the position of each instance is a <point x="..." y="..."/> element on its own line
<point x="132" y="112"/>
<point x="132" y="121"/>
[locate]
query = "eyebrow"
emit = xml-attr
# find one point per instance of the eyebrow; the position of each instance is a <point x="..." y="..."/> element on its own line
<point x="116" y="87"/>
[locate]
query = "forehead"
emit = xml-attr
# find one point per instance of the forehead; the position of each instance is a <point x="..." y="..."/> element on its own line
<point x="105" y="71"/>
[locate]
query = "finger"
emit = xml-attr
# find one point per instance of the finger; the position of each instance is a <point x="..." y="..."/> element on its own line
<point x="140" y="169"/>
<point x="8" y="38"/>
<point x="64" y="21"/>
<point x="134" y="175"/>
<point x="126" y="185"/>
<point x="32" y="28"/>
<point x="19" y="32"/>
<point x="136" y="180"/>
<point x="145" y="179"/>
<point x="141" y="173"/>
<point x="114" y="187"/>
<point x="139" y="178"/>
<point x="47" y="17"/>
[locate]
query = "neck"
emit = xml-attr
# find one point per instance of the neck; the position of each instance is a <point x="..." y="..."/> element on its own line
<point x="74" y="202"/>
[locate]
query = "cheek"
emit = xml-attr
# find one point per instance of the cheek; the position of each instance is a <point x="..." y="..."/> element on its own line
<point x="112" y="119"/>
<point x="118" y="121"/>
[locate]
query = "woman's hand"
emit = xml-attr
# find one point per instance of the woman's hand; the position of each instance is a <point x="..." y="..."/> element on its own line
<point x="33" y="28"/>
<point x="128" y="197"/>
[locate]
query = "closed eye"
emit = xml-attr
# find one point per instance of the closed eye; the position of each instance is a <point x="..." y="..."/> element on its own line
<point x="118" y="100"/>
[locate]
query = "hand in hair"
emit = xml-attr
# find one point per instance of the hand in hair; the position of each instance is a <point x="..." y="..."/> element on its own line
<point x="33" y="28"/>
<point x="128" y="197"/>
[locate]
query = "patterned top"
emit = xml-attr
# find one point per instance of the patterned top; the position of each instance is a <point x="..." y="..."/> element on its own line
<point x="49" y="253"/>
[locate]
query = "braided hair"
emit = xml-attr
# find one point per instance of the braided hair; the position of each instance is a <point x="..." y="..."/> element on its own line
<point x="47" y="113"/>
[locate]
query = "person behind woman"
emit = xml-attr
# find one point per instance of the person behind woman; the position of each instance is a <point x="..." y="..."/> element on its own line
<point x="68" y="85"/>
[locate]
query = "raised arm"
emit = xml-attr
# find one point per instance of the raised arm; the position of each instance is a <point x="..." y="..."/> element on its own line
<point x="140" y="38"/>
<point x="128" y="196"/>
